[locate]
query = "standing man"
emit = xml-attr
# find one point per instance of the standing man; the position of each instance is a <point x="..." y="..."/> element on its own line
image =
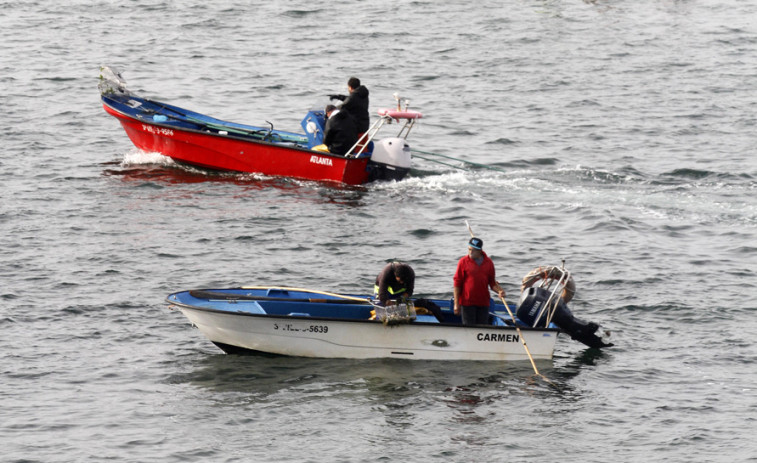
<point x="356" y="104"/>
<point x="473" y="278"/>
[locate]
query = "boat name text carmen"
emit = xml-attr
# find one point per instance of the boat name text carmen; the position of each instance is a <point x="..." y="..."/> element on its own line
<point x="498" y="337"/>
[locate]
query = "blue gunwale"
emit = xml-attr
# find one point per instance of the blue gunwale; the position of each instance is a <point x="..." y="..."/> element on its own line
<point x="294" y="304"/>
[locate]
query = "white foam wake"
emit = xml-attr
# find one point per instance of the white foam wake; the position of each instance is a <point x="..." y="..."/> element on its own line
<point x="137" y="157"/>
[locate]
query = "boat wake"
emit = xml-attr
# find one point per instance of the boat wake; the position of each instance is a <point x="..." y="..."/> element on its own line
<point x="454" y="182"/>
<point x="149" y="160"/>
<point x="141" y="166"/>
<point x="137" y="157"/>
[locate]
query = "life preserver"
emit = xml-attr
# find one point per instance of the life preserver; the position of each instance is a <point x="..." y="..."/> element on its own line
<point x="550" y="273"/>
<point x="397" y="115"/>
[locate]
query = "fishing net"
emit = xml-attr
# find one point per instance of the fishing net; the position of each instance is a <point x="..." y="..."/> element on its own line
<point x="111" y="82"/>
<point x="395" y="314"/>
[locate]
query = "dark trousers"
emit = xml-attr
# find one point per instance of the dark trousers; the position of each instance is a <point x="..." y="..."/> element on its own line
<point x="475" y="314"/>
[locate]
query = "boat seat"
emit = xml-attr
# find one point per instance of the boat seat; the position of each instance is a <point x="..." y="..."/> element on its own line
<point x="366" y="152"/>
<point x="276" y="292"/>
<point x="496" y="321"/>
<point x="249" y="307"/>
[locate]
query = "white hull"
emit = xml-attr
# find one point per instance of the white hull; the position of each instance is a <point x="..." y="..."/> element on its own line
<point x="329" y="338"/>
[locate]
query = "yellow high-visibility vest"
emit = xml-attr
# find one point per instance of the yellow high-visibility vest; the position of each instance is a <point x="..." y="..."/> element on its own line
<point x="391" y="291"/>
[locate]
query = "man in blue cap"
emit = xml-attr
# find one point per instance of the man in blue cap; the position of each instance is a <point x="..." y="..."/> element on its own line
<point x="473" y="278"/>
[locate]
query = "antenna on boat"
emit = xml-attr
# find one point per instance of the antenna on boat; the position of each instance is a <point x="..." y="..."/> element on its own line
<point x="401" y="100"/>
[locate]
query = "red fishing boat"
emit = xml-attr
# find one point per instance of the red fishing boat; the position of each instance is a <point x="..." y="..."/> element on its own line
<point x="198" y="140"/>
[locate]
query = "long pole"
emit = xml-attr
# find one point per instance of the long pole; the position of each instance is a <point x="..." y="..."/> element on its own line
<point x="522" y="339"/>
<point x="520" y="334"/>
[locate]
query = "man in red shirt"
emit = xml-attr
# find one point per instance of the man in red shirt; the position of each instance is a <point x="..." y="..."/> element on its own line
<point x="473" y="278"/>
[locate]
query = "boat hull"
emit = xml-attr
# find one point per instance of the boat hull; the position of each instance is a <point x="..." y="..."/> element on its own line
<point x="227" y="152"/>
<point x="235" y="326"/>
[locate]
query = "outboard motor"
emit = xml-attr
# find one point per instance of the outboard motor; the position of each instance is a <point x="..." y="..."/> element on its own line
<point x="533" y="311"/>
<point x="391" y="159"/>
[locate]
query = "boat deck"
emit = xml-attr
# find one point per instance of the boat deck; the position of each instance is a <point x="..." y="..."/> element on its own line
<point x="305" y="304"/>
<point x="162" y="114"/>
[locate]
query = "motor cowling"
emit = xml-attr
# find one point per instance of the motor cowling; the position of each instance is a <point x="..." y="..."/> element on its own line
<point x="532" y="311"/>
<point x="391" y="159"/>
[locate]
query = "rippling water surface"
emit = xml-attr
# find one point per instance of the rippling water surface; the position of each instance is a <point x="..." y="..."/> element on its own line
<point x="619" y="137"/>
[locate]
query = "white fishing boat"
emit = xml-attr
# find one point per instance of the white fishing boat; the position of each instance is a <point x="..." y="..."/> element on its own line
<point x="307" y="323"/>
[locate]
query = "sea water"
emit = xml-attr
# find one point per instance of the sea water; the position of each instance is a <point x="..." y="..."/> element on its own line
<point x="617" y="136"/>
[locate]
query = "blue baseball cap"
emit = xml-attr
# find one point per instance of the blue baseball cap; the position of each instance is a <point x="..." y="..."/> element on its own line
<point x="476" y="243"/>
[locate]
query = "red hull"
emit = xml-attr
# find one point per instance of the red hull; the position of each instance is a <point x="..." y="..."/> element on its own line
<point x="225" y="152"/>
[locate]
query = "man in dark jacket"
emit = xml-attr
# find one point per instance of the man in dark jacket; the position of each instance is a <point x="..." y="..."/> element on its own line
<point x="396" y="280"/>
<point x="340" y="134"/>
<point x="356" y="103"/>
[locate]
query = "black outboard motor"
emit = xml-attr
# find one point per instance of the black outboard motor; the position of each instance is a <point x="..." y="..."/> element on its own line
<point x="531" y="305"/>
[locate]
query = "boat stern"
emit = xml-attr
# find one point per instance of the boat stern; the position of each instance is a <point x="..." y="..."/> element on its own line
<point x="391" y="159"/>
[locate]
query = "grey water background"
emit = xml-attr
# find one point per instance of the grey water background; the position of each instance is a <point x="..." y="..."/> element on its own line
<point x="619" y="136"/>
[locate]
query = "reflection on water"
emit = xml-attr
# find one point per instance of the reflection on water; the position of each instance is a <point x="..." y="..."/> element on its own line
<point x="160" y="175"/>
<point x="578" y="362"/>
<point x="387" y="381"/>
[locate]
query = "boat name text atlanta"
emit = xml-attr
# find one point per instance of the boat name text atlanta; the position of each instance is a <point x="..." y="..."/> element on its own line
<point x="320" y="160"/>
